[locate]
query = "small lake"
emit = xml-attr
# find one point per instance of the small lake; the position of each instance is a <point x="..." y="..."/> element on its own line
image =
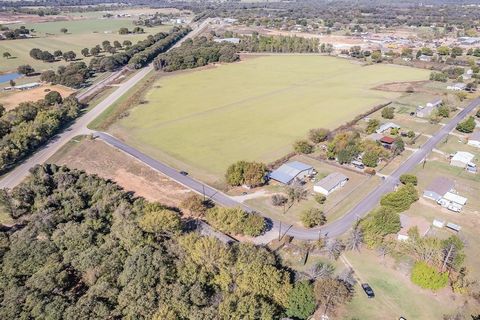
<point x="9" y="76"/>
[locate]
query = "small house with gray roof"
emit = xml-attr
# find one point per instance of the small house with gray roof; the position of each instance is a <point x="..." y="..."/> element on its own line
<point x="438" y="188"/>
<point x="330" y="183"/>
<point x="292" y="171"/>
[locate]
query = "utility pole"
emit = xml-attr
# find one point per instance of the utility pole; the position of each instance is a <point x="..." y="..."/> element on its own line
<point x="280" y="231"/>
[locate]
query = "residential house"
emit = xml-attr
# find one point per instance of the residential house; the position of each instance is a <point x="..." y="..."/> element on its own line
<point x="425" y="58"/>
<point x="408" y="222"/>
<point x="474" y="139"/>
<point x="387" y="126"/>
<point x="459" y="86"/>
<point x="463" y="159"/>
<point x="425" y="112"/>
<point x="387" y="142"/>
<point x="230" y="40"/>
<point x="291" y="171"/>
<point x="330" y="183"/>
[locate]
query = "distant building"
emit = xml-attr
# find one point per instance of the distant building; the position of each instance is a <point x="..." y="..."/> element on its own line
<point x="230" y="40"/>
<point x="425" y="58"/>
<point x="467" y="75"/>
<point x="330" y="183"/>
<point x="291" y="171"/>
<point x="474" y="139"/>
<point x="438" y="188"/>
<point x="459" y="86"/>
<point x="387" y="126"/>
<point x="407" y="223"/>
<point x="425" y="112"/>
<point x="462" y="159"/>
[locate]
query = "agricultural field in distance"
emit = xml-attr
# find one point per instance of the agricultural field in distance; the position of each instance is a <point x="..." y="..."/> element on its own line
<point x="202" y="121"/>
<point x="82" y="33"/>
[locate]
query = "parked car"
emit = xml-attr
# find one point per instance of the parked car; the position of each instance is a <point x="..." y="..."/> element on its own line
<point x="368" y="290"/>
<point x="184" y="173"/>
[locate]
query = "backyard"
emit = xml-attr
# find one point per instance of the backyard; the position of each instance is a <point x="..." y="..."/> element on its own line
<point x="252" y="110"/>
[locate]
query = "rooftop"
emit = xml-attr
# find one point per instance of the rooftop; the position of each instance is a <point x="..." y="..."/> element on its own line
<point x="288" y="171"/>
<point x="463" y="156"/>
<point x="388" y="140"/>
<point x="440" y="185"/>
<point x="331" y="181"/>
<point x="475" y="136"/>
<point x="409" y="222"/>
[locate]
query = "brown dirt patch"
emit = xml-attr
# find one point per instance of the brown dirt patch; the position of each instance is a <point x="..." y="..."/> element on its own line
<point x="96" y="157"/>
<point x="401" y="86"/>
<point x="12" y="99"/>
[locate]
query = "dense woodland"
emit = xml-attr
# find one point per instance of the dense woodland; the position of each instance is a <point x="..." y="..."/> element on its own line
<point x="88" y="250"/>
<point x="196" y="53"/>
<point x="73" y="75"/>
<point x="31" y="124"/>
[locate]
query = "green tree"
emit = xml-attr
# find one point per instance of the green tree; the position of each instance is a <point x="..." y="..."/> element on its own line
<point x="331" y="293"/>
<point x="301" y="301"/>
<point x="376" y="56"/>
<point x="303" y="146"/>
<point x="428" y="277"/>
<point x="443" y="50"/>
<point x="235" y="221"/>
<point x="249" y="173"/>
<point x="456" y="52"/>
<point x="160" y="221"/>
<point x="53" y="97"/>
<point x="402" y="199"/>
<point x="378" y="224"/>
<point x="388" y="112"/>
<point x="318" y="135"/>
<point x="370" y="158"/>
<point x="313" y="217"/>
<point x="408" y="178"/>
<point x="320" y="198"/>
<point x="84" y="52"/>
<point x="7" y="55"/>
<point x="372" y="125"/>
<point x="123" y="31"/>
<point x="443" y="111"/>
<point x="467" y="126"/>
<point x="57" y="53"/>
<point x="64" y="30"/>
<point x="25" y="69"/>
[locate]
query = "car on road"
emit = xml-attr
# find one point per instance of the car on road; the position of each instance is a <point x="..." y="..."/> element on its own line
<point x="184" y="173"/>
<point x="368" y="290"/>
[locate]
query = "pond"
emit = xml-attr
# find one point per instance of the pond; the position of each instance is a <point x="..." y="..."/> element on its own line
<point x="9" y="76"/>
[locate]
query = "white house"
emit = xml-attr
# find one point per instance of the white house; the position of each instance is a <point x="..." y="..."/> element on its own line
<point x="457" y="86"/>
<point x="330" y="183"/>
<point x="462" y="159"/>
<point x="387" y="126"/>
<point x="230" y="40"/>
<point x="474" y="139"/>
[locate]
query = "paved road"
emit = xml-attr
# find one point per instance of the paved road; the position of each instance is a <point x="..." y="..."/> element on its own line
<point x="79" y="126"/>
<point x="333" y="229"/>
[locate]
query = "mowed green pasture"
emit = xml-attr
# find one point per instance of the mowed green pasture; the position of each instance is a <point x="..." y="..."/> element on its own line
<point x="254" y="109"/>
<point x="81" y="33"/>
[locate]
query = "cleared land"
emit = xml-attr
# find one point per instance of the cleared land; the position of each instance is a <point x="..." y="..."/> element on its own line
<point x="81" y="33"/>
<point x="252" y="110"/>
<point x="96" y="157"/>
<point x="14" y="98"/>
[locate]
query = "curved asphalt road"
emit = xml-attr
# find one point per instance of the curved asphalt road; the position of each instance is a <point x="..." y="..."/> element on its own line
<point x="334" y="229"/>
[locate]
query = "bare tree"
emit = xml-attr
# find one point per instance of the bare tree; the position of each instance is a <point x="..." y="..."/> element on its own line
<point x="355" y="239"/>
<point x="321" y="271"/>
<point x="348" y="276"/>
<point x="334" y="248"/>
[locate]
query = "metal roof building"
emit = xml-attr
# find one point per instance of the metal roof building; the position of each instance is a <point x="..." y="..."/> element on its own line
<point x="330" y="183"/>
<point x="438" y="188"/>
<point x="290" y="171"/>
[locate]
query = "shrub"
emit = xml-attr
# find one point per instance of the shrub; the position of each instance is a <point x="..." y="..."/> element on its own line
<point x="408" y="178"/>
<point x="443" y="111"/>
<point x="372" y="126"/>
<point x="428" y="277"/>
<point x="313" y="217"/>
<point x="467" y="126"/>
<point x="318" y="135"/>
<point x="236" y="221"/>
<point x="302" y="146"/>
<point x="279" y="200"/>
<point x="388" y="112"/>
<point x="251" y="174"/>
<point x="320" y="198"/>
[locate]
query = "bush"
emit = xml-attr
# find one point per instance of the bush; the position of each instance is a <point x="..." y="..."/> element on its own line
<point x="279" y="200"/>
<point x="370" y="158"/>
<point x="438" y="76"/>
<point x="408" y="178"/>
<point x="53" y="97"/>
<point x="313" y="217"/>
<point x="235" y="221"/>
<point x="443" y="111"/>
<point x="302" y="146"/>
<point x="251" y="174"/>
<point x="401" y="199"/>
<point x="318" y="135"/>
<point x="320" y="198"/>
<point x="428" y="277"/>
<point x="467" y="126"/>
<point x="388" y="112"/>
<point x="372" y="126"/>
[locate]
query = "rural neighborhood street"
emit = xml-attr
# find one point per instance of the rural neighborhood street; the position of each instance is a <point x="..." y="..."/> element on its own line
<point x="79" y="126"/>
<point x="334" y="229"/>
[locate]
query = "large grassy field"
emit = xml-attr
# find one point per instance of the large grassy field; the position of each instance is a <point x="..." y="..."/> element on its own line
<point x="252" y="110"/>
<point x="81" y="33"/>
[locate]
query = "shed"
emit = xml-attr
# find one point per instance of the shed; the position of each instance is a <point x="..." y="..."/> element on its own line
<point x="435" y="103"/>
<point x="474" y="139"/>
<point x="408" y="222"/>
<point x="462" y="159"/>
<point x="438" y="188"/>
<point x="330" y="183"/>
<point x="455" y="198"/>
<point x="438" y="223"/>
<point x="291" y="171"/>
<point x="454" y="227"/>
<point x="459" y="86"/>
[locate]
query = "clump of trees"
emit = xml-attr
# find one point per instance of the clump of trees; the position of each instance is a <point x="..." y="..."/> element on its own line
<point x="72" y="75"/>
<point x="467" y="126"/>
<point x="318" y="135"/>
<point x="303" y="146"/>
<point x="438" y="76"/>
<point x="313" y="217"/>
<point x="280" y="44"/>
<point x="196" y="53"/>
<point x="25" y="69"/>
<point x="379" y="224"/>
<point x="84" y="248"/>
<point x="388" y="112"/>
<point x="251" y="174"/>
<point x="428" y="277"/>
<point x="12" y="34"/>
<point x="31" y="124"/>
<point x="345" y="147"/>
<point x="235" y="221"/>
<point x="402" y="199"/>
<point x="409" y="178"/>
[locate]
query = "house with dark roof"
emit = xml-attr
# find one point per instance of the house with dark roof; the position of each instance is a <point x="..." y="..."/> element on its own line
<point x="387" y="141"/>
<point x="438" y="188"/>
<point x="291" y="171"/>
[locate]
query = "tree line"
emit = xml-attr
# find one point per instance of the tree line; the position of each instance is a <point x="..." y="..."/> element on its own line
<point x="12" y="34"/>
<point x="196" y="53"/>
<point x="31" y="124"/>
<point x="278" y="44"/>
<point x="140" y="54"/>
<point x="72" y="75"/>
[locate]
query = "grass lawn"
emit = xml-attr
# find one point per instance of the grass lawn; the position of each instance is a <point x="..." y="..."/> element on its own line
<point x="81" y="33"/>
<point x="252" y="110"/>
